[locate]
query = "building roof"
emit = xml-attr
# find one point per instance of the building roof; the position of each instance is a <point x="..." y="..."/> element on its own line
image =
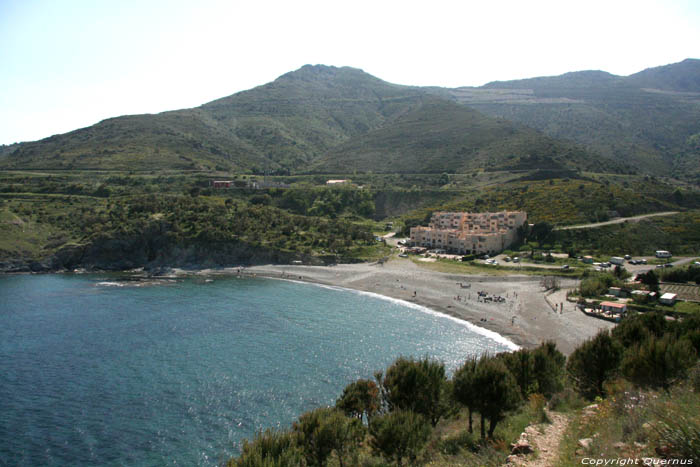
<point x="668" y="296"/>
<point x="613" y="304"/>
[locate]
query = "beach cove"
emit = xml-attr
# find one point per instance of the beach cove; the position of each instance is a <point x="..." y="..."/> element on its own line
<point x="525" y="318"/>
<point x="127" y="368"/>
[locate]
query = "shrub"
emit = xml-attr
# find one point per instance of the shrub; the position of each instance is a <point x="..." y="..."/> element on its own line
<point x="273" y="448"/>
<point x="548" y="366"/>
<point x="593" y="363"/>
<point x="398" y="435"/>
<point x="360" y="398"/>
<point x="416" y="386"/>
<point x="680" y="434"/>
<point x="658" y="362"/>
<point x="324" y="430"/>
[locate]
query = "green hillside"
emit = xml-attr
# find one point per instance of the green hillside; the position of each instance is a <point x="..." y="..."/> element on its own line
<point x="277" y="127"/>
<point x="315" y="119"/>
<point x="440" y="136"/>
<point x="648" y="121"/>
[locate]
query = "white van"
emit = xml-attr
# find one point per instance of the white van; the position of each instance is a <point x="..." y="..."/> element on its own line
<point x="663" y="254"/>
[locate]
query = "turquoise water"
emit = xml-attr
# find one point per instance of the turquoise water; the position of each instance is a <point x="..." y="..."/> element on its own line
<point x="95" y="370"/>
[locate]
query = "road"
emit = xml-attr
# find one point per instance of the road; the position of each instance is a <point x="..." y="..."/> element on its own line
<point x="616" y="221"/>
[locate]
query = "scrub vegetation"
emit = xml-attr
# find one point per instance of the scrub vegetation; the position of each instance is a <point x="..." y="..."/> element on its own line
<point x="643" y="376"/>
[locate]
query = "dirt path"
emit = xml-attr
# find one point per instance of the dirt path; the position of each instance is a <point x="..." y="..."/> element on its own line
<point x="546" y="444"/>
<point x="616" y="221"/>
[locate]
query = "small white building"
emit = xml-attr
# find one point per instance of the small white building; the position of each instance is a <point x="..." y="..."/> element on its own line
<point x="337" y="182"/>
<point x="668" y="299"/>
<point x="613" y="308"/>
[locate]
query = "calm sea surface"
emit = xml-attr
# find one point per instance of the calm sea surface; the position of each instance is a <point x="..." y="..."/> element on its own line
<point x="95" y="370"/>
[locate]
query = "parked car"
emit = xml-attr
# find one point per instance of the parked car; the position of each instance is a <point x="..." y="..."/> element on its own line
<point x="565" y="267"/>
<point x="403" y="255"/>
<point x="516" y="259"/>
<point x="628" y="257"/>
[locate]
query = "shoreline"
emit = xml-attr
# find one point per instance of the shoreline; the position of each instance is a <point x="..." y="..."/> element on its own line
<point x="423" y="309"/>
<point x="525" y="317"/>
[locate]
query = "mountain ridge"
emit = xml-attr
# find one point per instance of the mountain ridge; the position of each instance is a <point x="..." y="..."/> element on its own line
<point x="328" y="118"/>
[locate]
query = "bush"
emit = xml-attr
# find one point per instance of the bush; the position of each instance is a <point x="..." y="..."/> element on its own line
<point x="274" y="448"/>
<point x="324" y="430"/>
<point x="658" y="362"/>
<point x="593" y="363"/>
<point x="360" y="398"/>
<point x="464" y="440"/>
<point x="398" y="435"/>
<point x="416" y="386"/>
<point x="680" y="434"/>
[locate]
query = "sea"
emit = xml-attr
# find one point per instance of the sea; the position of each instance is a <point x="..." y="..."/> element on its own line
<point x="106" y="369"/>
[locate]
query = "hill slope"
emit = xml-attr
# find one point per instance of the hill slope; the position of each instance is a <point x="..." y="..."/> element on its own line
<point x="328" y="119"/>
<point x="440" y="136"/>
<point x="280" y="125"/>
<point x="316" y="118"/>
<point x="648" y="120"/>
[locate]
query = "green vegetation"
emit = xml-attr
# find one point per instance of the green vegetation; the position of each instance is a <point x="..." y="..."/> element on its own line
<point x="399" y="434"/>
<point x="607" y="114"/>
<point x="420" y="417"/>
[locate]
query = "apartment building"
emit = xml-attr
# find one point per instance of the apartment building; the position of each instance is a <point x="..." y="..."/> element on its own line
<point x="470" y="232"/>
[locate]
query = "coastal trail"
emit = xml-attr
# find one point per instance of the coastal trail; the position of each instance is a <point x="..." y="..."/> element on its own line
<point x="546" y="444"/>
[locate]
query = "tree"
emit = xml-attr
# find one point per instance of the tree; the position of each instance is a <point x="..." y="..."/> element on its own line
<point x="521" y="365"/>
<point x="360" y="398"/>
<point x="593" y="363"/>
<point x="650" y="280"/>
<point x="548" y="368"/>
<point x="416" y="386"/>
<point x="498" y="392"/>
<point x="398" y="435"/>
<point x="659" y="362"/>
<point x="541" y="232"/>
<point x="325" y="430"/>
<point x="271" y="448"/>
<point x="636" y="329"/>
<point x="463" y="388"/>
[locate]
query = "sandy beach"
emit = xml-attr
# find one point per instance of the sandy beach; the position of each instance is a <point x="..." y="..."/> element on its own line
<point x="525" y="317"/>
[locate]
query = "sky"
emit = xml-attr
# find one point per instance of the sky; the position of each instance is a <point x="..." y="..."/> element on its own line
<point x="67" y="64"/>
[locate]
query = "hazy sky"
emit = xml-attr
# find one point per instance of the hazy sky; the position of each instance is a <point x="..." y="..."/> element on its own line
<point x="67" y="64"/>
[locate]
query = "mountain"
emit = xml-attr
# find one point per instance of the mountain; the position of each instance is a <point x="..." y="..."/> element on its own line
<point x="648" y="120"/>
<point x="278" y="126"/>
<point x="441" y="136"/>
<point x="680" y="77"/>
<point x="328" y="119"/>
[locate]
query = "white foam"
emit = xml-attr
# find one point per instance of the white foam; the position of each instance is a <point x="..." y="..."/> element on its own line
<point x="472" y="327"/>
<point x="111" y="284"/>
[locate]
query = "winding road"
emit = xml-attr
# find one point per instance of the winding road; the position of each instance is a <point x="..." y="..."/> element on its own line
<point x="616" y="221"/>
